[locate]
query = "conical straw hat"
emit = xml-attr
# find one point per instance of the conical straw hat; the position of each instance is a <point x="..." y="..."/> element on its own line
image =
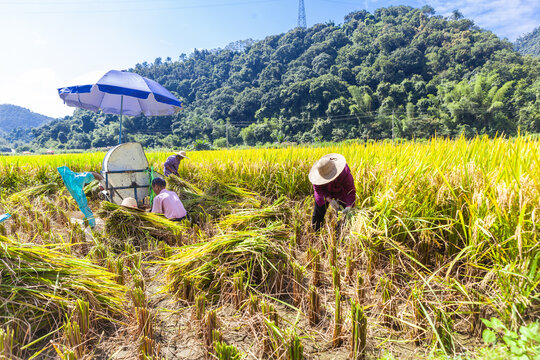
<point x="327" y="169"/>
<point x="129" y="202"/>
<point x="182" y="153"/>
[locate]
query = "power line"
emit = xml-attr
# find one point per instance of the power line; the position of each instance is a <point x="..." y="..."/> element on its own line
<point x="419" y="115"/>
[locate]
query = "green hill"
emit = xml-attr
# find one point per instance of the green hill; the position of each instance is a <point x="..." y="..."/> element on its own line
<point x="12" y="117"/>
<point x="529" y="44"/>
<point x="399" y="71"/>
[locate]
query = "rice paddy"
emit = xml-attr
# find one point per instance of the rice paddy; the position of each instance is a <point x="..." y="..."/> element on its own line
<point x="443" y="235"/>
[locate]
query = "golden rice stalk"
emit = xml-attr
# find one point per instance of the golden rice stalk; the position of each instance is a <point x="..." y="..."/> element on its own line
<point x="359" y="287"/>
<point x="336" y="278"/>
<point x="253" y="304"/>
<point x="7" y="350"/>
<point x="315" y="267"/>
<point x="359" y="331"/>
<point x="148" y="349"/>
<point x="239" y="288"/>
<point x="298" y="283"/>
<point x="295" y="349"/>
<point x="199" y="312"/>
<point x="314" y="306"/>
<point x="74" y="338"/>
<point x="145" y="319"/>
<point x="210" y="325"/>
<point x="338" y="322"/>
<point x="227" y="352"/>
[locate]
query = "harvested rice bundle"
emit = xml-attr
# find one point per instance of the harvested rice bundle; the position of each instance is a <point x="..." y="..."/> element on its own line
<point x="218" y="199"/>
<point x="257" y="217"/>
<point x="45" y="189"/>
<point x="204" y="266"/>
<point x="92" y="190"/>
<point x="179" y="185"/>
<point x="230" y="192"/>
<point x="39" y="285"/>
<point x="125" y="224"/>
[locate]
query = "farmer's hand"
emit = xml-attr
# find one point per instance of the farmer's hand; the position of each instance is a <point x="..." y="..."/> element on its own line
<point x="334" y="204"/>
<point x="97" y="175"/>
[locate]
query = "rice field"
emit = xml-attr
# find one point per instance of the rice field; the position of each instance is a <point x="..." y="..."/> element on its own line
<point x="442" y="239"/>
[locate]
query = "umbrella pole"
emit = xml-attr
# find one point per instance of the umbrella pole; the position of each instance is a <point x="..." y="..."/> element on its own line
<point x="121" y="116"/>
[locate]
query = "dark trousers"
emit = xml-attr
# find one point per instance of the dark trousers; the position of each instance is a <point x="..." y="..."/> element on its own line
<point x="318" y="214"/>
<point x="182" y="218"/>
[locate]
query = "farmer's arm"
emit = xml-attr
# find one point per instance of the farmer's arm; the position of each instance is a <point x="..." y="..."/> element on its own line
<point x="320" y="194"/>
<point x="157" y="207"/>
<point x="171" y="170"/>
<point x="169" y="166"/>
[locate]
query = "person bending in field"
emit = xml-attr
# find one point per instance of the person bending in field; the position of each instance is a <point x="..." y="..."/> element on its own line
<point x="167" y="202"/>
<point x="333" y="185"/>
<point x="172" y="163"/>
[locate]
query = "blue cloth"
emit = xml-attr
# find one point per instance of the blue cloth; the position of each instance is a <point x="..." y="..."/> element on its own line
<point x="74" y="183"/>
<point x="4" y="217"/>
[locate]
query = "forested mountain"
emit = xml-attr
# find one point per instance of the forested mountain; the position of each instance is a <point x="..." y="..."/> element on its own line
<point x="12" y="117"/>
<point x="399" y="71"/>
<point x="529" y="44"/>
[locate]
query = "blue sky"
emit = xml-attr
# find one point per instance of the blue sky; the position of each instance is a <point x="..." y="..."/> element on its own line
<point x="52" y="43"/>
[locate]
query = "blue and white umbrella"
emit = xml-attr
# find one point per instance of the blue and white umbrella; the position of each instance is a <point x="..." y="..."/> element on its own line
<point x="122" y="93"/>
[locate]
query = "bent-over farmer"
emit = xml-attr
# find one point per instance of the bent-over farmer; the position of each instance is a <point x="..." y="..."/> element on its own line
<point x="167" y="202"/>
<point x="332" y="184"/>
<point x="172" y="163"/>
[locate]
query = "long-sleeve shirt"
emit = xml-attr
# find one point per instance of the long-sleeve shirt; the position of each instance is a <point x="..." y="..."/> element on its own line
<point x="168" y="204"/>
<point x="172" y="163"/>
<point x="341" y="188"/>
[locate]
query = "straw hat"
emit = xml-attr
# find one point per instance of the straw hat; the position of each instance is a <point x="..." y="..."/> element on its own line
<point x="130" y="202"/>
<point x="182" y="153"/>
<point x="327" y="169"/>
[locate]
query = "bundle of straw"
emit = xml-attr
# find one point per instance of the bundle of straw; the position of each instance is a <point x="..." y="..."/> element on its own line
<point x="204" y="265"/>
<point x="218" y="198"/>
<point x="257" y="217"/>
<point x="92" y="190"/>
<point x="35" y="191"/>
<point x="125" y="224"/>
<point x="39" y="285"/>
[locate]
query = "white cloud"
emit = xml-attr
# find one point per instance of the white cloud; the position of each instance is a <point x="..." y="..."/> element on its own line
<point x="35" y="90"/>
<point x="90" y="77"/>
<point x="39" y="39"/>
<point x="506" y="18"/>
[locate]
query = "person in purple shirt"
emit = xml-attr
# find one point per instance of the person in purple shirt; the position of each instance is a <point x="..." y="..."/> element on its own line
<point x="333" y="185"/>
<point x="172" y="163"/>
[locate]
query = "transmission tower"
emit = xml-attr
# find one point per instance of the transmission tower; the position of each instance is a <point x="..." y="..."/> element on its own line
<point x="301" y="15"/>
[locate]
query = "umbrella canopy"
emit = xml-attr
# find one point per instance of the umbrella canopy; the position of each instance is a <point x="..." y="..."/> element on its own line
<point x="122" y="93"/>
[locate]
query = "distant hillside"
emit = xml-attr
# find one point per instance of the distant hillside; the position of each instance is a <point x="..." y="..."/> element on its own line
<point x="529" y="43"/>
<point x="12" y="117"/>
<point x="397" y="72"/>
